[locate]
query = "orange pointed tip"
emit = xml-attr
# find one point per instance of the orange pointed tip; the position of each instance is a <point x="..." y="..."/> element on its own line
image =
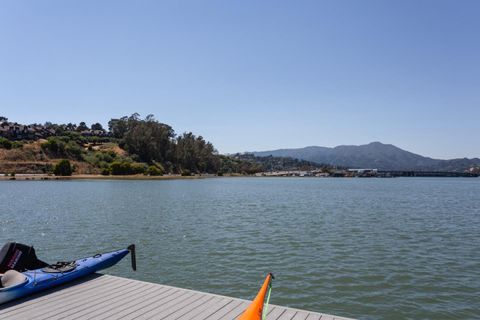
<point x="255" y="309"/>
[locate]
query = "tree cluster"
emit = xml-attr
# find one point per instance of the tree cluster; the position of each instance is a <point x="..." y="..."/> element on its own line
<point x="155" y="142"/>
<point x="62" y="147"/>
<point x="271" y="163"/>
<point x="247" y="163"/>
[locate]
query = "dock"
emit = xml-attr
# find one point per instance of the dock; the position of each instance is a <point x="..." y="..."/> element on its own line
<point x="109" y="297"/>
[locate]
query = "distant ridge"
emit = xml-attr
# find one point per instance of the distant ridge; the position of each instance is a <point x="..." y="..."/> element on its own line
<point x="373" y="155"/>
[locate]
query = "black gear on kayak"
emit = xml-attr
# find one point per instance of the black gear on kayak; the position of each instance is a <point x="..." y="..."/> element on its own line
<point x="61" y="267"/>
<point x="19" y="257"/>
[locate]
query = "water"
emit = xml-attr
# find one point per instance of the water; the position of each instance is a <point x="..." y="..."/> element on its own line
<point x="406" y="248"/>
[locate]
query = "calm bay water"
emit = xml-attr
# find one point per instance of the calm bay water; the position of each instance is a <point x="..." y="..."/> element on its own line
<point x="406" y="248"/>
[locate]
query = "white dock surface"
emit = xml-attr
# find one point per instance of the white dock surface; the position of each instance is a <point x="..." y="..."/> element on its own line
<point x="110" y="297"/>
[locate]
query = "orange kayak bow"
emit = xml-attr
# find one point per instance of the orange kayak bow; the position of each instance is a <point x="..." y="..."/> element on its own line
<point x="255" y="309"/>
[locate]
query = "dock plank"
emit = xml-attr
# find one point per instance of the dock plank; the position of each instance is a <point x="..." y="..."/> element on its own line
<point x="221" y="314"/>
<point x="288" y="314"/>
<point x="207" y="309"/>
<point x="102" y="305"/>
<point x="301" y="315"/>
<point x="275" y="313"/>
<point x="237" y="311"/>
<point x="128" y="309"/>
<point x="314" y="316"/>
<point x="89" y="298"/>
<point x="106" y="311"/>
<point x="161" y="311"/>
<point x="174" y="298"/>
<point x="109" y="297"/>
<point x="41" y="298"/>
<point x="86" y="300"/>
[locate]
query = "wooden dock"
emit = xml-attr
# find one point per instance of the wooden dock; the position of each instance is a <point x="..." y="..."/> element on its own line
<point x="109" y="297"/>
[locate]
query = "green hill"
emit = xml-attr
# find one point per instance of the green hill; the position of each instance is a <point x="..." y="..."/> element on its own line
<point x="131" y="145"/>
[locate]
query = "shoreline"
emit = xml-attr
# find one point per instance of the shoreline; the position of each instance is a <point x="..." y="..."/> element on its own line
<point x="139" y="177"/>
<point x="46" y="177"/>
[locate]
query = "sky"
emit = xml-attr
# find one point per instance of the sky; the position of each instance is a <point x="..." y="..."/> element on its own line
<point x="252" y="75"/>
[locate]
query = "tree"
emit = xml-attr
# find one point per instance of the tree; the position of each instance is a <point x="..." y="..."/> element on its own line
<point x="97" y="126"/>
<point x="185" y="151"/>
<point x="118" y="127"/>
<point x="149" y="139"/>
<point x="82" y="126"/>
<point x="195" y="154"/>
<point x="71" y="126"/>
<point x="63" y="168"/>
<point x="134" y="117"/>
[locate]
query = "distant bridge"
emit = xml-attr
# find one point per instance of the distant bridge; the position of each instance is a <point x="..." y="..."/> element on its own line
<point x="426" y="174"/>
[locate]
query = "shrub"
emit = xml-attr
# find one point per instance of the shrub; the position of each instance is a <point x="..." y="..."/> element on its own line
<point x="153" y="171"/>
<point x="137" y="168"/>
<point x="105" y="171"/>
<point x="126" y="168"/>
<point x="54" y="145"/>
<point x="98" y="159"/>
<point x="63" y="168"/>
<point x="103" y="165"/>
<point x="5" y="143"/>
<point x="159" y="166"/>
<point x="186" y="173"/>
<point x="73" y="150"/>
<point x="120" y="168"/>
<point x="72" y="136"/>
<point x="48" y="168"/>
<point x="104" y="156"/>
<point x="62" y="147"/>
<point x="17" y="144"/>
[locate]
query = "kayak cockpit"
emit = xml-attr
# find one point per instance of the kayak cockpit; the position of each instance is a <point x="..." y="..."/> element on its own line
<point x="61" y="267"/>
<point x="12" y="279"/>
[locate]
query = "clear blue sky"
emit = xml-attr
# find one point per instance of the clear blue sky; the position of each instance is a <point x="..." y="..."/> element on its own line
<point x="252" y="75"/>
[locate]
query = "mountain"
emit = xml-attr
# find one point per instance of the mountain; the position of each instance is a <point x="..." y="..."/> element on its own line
<point x="373" y="155"/>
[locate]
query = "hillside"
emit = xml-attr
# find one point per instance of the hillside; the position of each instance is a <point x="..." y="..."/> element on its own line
<point x="373" y="155"/>
<point x="33" y="157"/>
<point x="97" y="158"/>
<point x="131" y="145"/>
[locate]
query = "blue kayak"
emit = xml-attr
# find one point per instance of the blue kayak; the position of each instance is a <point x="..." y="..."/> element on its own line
<point x="16" y="283"/>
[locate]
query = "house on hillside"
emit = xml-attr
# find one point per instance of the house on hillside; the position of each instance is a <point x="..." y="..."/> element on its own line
<point x="15" y="131"/>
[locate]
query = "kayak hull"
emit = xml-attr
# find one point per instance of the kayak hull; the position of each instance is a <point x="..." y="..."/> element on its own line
<point x="38" y="280"/>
